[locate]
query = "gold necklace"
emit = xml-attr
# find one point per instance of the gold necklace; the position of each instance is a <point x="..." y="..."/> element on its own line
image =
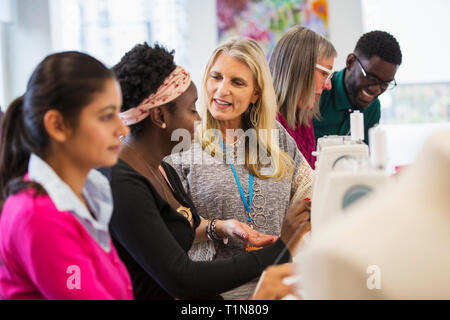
<point x="184" y="211"/>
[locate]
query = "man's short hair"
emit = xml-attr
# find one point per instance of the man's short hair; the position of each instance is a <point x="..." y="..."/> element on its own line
<point x="381" y="44"/>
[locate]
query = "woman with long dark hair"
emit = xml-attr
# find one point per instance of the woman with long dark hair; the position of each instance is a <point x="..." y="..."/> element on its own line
<point x="54" y="239"/>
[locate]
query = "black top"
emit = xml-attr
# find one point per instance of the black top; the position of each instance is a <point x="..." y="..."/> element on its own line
<point x="153" y="239"/>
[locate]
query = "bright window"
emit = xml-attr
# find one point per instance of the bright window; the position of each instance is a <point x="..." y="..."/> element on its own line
<point x="420" y="104"/>
<point x="109" y="28"/>
<point x="423" y="92"/>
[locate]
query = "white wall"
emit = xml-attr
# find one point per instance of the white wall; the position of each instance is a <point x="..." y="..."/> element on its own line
<point x="421" y="28"/>
<point x="203" y="35"/>
<point x="27" y="42"/>
<point x="5" y="11"/>
<point x="346" y="27"/>
<point x="5" y="17"/>
<point x="3" y="79"/>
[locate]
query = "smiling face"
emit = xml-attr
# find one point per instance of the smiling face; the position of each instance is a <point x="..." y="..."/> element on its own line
<point x="230" y="88"/>
<point x="360" y="91"/>
<point x="95" y="142"/>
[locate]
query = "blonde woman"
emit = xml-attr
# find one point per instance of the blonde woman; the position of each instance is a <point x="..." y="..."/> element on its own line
<point x="243" y="165"/>
<point x="301" y="66"/>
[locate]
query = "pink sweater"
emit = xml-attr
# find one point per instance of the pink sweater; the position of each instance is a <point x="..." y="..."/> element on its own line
<point x="48" y="254"/>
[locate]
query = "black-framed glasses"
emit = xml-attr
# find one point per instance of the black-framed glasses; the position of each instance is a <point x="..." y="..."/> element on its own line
<point x="373" y="80"/>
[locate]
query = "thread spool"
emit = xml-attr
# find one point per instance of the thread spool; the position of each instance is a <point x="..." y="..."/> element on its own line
<point x="378" y="147"/>
<point x="357" y="126"/>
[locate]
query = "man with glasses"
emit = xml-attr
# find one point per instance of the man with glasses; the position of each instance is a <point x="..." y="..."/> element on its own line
<point x="369" y="71"/>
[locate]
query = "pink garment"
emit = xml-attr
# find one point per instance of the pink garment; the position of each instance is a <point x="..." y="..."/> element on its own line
<point x="48" y="254"/>
<point x="304" y="137"/>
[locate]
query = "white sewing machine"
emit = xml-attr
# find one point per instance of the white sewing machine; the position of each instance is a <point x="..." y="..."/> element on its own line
<point x="345" y="171"/>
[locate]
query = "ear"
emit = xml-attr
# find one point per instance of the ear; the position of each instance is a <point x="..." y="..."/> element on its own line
<point x="350" y="60"/>
<point x="157" y="116"/>
<point x="55" y="126"/>
<point x="255" y="96"/>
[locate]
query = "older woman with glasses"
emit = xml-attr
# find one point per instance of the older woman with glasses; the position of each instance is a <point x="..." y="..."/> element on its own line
<point x="301" y="66"/>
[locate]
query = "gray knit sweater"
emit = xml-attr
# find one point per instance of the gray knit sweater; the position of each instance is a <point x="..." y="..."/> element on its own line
<point x="212" y="186"/>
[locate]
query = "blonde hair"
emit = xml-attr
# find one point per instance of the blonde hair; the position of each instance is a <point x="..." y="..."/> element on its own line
<point x="262" y="114"/>
<point x="292" y="64"/>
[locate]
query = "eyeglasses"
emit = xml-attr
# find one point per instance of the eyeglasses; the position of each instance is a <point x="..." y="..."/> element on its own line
<point x="372" y="80"/>
<point x="328" y="71"/>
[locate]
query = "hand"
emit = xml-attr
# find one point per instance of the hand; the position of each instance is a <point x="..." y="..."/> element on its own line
<point x="239" y="230"/>
<point x="296" y="223"/>
<point x="272" y="286"/>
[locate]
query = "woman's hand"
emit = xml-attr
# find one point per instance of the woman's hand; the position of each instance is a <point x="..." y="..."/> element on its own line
<point x="296" y="223"/>
<point x="239" y="230"/>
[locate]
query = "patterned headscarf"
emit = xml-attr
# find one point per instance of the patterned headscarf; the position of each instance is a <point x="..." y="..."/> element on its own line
<point x="173" y="87"/>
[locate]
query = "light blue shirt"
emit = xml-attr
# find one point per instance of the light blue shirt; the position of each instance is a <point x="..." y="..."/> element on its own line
<point x="96" y="191"/>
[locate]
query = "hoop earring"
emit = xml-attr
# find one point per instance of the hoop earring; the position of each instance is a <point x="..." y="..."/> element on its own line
<point x="254" y="116"/>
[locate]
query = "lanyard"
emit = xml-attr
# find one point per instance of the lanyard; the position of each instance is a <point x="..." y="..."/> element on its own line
<point x="247" y="204"/>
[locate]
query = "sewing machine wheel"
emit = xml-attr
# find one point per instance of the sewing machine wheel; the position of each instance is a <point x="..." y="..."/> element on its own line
<point x="354" y="194"/>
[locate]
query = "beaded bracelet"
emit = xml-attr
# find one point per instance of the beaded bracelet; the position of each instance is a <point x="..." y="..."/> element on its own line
<point x="213" y="230"/>
<point x="208" y="222"/>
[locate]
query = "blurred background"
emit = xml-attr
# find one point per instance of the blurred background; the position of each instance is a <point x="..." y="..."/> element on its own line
<point x="106" y="29"/>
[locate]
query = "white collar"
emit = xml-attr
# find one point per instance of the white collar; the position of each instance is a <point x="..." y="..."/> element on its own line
<point x="96" y="191"/>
